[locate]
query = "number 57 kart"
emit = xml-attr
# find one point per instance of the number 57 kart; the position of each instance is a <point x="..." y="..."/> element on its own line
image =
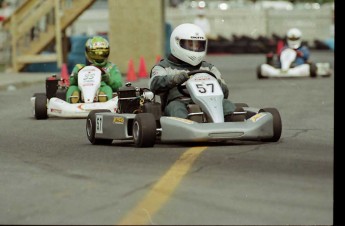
<point x="145" y="124"/>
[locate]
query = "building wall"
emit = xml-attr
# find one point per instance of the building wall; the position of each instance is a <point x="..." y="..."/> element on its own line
<point x="136" y="29"/>
<point x="315" y="24"/>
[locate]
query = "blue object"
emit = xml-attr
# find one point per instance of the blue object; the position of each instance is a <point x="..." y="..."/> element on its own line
<point x="78" y="43"/>
<point x="75" y="58"/>
<point x="42" y="67"/>
<point x="77" y="53"/>
<point x="330" y="43"/>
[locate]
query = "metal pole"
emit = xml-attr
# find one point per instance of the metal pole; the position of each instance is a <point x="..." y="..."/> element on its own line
<point x="58" y="43"/>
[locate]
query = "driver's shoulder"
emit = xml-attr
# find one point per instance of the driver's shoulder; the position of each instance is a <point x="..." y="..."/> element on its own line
<point x="206" y="64"/>
<point x="77" y="68"/>
<point x="110" y="66"/>
<point x="164" y="63"/>
<point x="304" y="48"/>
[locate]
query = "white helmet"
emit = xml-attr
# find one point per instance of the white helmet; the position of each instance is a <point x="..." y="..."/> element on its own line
<point x="188" y="43"/>
<point x="294" y="38"/>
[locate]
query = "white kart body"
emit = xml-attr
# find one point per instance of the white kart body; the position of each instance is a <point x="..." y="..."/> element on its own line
<point x="60" y="108"/>
<point x="287" y="57"/>
<point x="205" y="91"/>
<point x="89" y="81"/>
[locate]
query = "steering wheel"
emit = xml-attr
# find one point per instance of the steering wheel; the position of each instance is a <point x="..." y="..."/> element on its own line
<point x="181" y="88"/>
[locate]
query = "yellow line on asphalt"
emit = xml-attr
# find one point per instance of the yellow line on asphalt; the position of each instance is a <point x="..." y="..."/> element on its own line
<point x="142" y="214"/>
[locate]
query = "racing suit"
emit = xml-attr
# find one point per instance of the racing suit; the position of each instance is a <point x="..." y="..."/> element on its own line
<point x="172" y="100"/>
<point x="111" y="80"/>
<point x="302" y="57"/>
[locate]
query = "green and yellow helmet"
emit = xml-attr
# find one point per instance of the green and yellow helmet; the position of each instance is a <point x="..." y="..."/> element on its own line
<point x="97" y="50"/>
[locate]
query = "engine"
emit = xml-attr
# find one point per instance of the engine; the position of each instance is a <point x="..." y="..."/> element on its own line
<point x="129" y="99"/>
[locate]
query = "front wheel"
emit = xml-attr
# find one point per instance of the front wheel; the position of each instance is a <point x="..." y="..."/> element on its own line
<point x="258" y="73"/>
<point x="91" y="128"/>
<point x="277" y="124"/>
<point x="144" y="130"/>
<point x="41" y="106"/>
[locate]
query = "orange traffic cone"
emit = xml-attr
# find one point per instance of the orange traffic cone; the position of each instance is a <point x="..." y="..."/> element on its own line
<point x="142" y="68"/>
<point x="64" y="74"/>
<point x="131" y="76"/>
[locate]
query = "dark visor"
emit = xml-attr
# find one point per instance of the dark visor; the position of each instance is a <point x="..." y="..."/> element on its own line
<point x="293" y="38"/>
<point x="193" y="45"/>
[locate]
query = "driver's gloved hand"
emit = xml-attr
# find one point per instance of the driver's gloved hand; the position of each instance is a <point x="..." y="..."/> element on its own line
<point x="299" y="53"/>
<point x="179" y="78"/>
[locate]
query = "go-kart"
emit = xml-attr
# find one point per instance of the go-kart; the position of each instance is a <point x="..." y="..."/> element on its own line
<point x="286" y="68"/>
<point x="145" y="124"/>
<point x="53" y="103"/>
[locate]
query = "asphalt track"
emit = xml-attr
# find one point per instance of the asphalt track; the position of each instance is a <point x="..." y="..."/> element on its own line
<point x="51" y="174"/>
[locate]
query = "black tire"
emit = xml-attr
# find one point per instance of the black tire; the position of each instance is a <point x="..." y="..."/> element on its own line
<point x="277" y="124"/>
<point x="258" y="72"/>
<point x="239" y="107"/>
<point x="37" y="94"/>
<point x="41" y="106"/>
<point x="313" y="70"/>
<point x="61" y="94"/>
<point x="144" y="130"/>
<point x="91" y="128"/>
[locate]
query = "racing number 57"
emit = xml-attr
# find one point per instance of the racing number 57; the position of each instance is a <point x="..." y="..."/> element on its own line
<point x="203" y="88"/>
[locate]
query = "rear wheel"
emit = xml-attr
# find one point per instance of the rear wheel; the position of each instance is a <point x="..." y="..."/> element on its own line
<point x="258" y="73"/>
<point x="61" y="94"/>
<point x="313" y="70"/>
<point x="277" y="124"/>
<point x="41" y="106"/>
<point x="91" y="128"/>
<point x="144" y="130"/>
